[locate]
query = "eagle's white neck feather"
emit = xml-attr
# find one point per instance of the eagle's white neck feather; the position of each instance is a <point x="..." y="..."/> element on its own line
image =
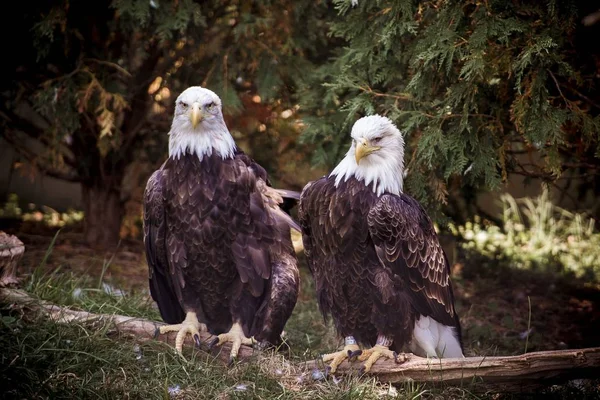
<point x="382" y="177"/>
<point x="186" y="141"/>
<point x="382" y="170"/>
<point x="210" y="134"/>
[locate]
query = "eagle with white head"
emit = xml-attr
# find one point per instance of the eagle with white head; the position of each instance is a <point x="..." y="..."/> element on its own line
<point x="217" y="240"/>
<point x="378" y="267"/>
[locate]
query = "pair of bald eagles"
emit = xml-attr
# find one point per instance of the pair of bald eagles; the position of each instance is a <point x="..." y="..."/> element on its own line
<point x="221" y="259"/>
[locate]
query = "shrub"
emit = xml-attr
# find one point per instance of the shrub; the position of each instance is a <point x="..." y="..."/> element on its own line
<point x="536" y="234"/>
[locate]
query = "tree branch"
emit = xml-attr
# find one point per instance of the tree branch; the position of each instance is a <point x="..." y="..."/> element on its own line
<point x="567" y="102"/>
<point x="583" y="96"/>
<point x="33" y="158"/>
<point x="15" y="122"/>
<point x="110" y="64"/>
<point x="140" y="102"/>
<point x="505" y="373"/>
<point x="374" y="93"/>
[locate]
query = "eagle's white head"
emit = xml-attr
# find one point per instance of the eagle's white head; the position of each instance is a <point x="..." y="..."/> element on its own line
<point x="376" y="155"/>
<point x="198" y="126"/>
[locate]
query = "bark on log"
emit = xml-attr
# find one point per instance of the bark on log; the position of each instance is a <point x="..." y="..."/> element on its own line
<point x="502" y="374"/>
<point x="11" y="251"/>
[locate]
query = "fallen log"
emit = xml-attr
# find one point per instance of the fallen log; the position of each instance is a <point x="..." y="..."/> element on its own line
<point x="502" y="374"/>
<point x="115" y="325"/>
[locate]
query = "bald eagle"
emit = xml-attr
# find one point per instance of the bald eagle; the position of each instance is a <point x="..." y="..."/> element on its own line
<point x="378" y="267"/>
<point x="217" y="242"/>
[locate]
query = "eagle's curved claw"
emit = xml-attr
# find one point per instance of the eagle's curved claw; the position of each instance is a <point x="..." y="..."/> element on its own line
<point x="397" y="358"/>
<point x="353" y="354"/>
<point x="197" y="340"/>
<point x="339" y="356"/>
<point x="190" y="325"/>
<point x="156" y="332"/>
<point x="237" y="338"/>
<point x="370" y="356"/>
<point x="213" y="342"/>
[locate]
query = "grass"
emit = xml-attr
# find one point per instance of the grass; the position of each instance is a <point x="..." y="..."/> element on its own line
<point x="537" y="235"/>
<point x="48" y="360"/>
<point x="43" y="359"/>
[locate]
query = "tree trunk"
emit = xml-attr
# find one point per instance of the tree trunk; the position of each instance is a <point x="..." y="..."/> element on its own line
<point x="11" y="251"/>
<point x="104" y="212"/>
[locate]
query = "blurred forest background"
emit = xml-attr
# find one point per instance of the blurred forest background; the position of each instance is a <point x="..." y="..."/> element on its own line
<point x="493" y="96"/>
<point x="499" y="102"/>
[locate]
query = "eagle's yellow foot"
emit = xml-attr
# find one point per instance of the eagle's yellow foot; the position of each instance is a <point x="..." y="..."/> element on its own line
<point x="370" y="356"/>
<point x="190" y="325"/>
<point x="237" y="338"/>
<point x="349" y="351"/>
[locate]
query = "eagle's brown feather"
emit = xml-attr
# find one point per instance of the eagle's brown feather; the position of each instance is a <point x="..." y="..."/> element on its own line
<point x="406" y="242"/>
<point x="219" y="248"/>
<point x="376" y="261"/>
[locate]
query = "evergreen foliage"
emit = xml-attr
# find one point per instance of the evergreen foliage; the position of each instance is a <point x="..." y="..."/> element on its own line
<point x="482" y="89"/>
<point x="94" y="92"/>
<point x="474" y="84"/>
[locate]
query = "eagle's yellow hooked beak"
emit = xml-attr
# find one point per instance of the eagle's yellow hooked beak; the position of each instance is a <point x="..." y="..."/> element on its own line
<point x="196" y="114"/>
<point x="363" y="149"/>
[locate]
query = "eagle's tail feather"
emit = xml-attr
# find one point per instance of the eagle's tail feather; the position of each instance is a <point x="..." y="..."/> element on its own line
<point x="290" y="194"/>
<point x="280" y="214"/>
<point x="290" y="199"/>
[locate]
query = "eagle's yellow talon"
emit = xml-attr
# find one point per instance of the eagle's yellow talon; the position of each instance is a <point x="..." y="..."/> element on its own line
<point x="237" y="338"/>
<point x="339" y="356"/>
<point x="370" y="356"/>
<point x="190" y="325"/>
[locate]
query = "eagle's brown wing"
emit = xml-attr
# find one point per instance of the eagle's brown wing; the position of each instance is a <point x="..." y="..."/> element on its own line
<point x="308" y="209"/>
<point x="161" y="284"/>
<point x="406" y="242"/>
<point x="272" y="233"/>
<point x="283" y="200"/>
<point x="262" y="230"/>
<point x="323" y="219"/>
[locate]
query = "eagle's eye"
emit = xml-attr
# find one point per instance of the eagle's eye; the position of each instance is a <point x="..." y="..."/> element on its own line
<point x="183" y="104"/>
<point x="211" y="106"/>
<point x="376" y="139"/>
